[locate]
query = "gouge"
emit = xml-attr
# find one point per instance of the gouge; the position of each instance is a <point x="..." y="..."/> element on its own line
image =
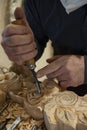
<point x="31" y="63"/>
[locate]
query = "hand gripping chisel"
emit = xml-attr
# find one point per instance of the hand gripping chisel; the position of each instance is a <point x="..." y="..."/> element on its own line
<point x="31" y="63"/>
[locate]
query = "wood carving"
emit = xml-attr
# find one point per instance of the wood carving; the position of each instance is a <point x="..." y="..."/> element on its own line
<point x="34" y="103"/>
<point x="59" y="110"/>
<point x="22" y="90"/>
<point x="66" y="111"/>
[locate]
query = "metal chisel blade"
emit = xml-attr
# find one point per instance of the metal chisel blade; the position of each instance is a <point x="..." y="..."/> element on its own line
<point x="32" y="67"/>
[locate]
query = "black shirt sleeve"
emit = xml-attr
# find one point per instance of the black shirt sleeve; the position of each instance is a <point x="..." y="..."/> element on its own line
<point x="32" y="15"/>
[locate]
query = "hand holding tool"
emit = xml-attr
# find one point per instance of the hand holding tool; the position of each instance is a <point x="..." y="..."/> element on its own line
<point x="31" y="63"/>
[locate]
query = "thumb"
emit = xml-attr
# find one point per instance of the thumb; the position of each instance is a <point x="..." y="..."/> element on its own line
<point x="19" y="13"/>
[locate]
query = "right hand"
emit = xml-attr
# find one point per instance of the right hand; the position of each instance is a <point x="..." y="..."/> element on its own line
<point x="18" y="40"/>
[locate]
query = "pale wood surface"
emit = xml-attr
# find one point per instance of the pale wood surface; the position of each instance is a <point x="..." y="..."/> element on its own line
<point x="66" y="111"/>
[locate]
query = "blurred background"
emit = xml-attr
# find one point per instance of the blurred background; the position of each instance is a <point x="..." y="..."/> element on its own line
<point x="7" y="8"/>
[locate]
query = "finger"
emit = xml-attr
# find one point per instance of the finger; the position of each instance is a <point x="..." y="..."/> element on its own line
<point x="18" y="50"/>
<point x="53" y="58"/>
<point x="60" y="74"/>
<point x="15" y="30"/>
<point x="20" y="59"/>
<point x="52" y="67"/>
<point x="17" y="40"/>
<point x="56" y="73"/>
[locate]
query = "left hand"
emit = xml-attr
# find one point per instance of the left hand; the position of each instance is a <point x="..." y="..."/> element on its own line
<point x="68" y="70"/>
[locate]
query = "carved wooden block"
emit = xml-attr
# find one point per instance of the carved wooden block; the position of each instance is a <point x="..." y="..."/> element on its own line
<point x="66" y="111"/>
<point x="32" y="102"/>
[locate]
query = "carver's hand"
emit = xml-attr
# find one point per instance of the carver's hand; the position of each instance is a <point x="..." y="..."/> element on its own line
<point x="68" y="70"/>
<point x="18" y="40"/>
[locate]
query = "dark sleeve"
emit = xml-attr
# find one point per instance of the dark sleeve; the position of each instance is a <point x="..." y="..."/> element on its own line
<point x="33" y="19"/>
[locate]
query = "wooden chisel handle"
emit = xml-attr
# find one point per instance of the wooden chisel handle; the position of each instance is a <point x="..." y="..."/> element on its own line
<point x="22" y="22"/>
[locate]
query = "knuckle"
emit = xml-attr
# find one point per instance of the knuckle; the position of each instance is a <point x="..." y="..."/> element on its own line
<point x="25" y="30"/>
<point x="33" y="45"/>
<point x="31" y="37"/>
<point x="9" y="30"/>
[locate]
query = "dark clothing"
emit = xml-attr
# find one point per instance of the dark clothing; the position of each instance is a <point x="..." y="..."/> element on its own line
<point x="49" y="20"/>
